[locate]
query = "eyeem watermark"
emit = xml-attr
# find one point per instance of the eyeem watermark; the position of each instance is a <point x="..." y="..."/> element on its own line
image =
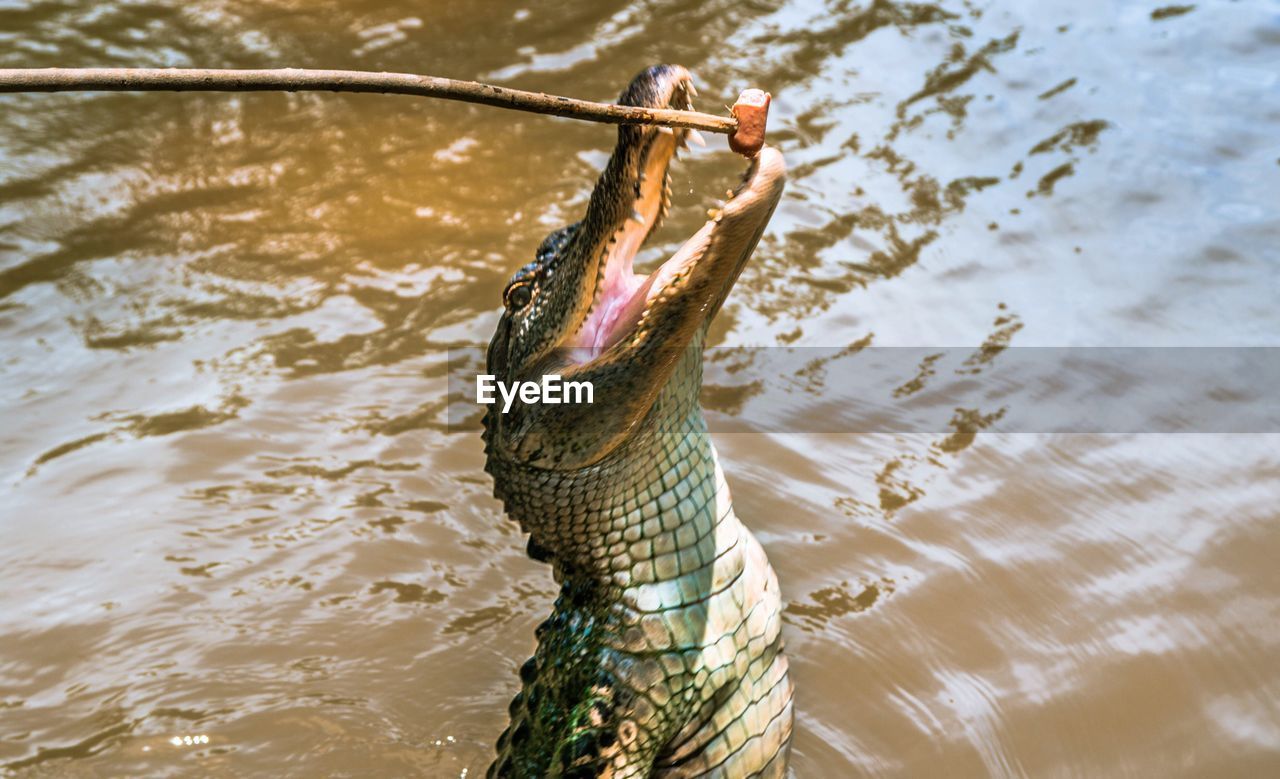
<point x="552" y="390"/>
<point x="866" y="389"/>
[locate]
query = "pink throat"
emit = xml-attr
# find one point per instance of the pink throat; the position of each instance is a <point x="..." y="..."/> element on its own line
<point x="619" y="301"/>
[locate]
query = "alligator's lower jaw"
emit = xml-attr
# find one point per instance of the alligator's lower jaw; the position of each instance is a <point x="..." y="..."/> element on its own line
<point x="624" y="296"/>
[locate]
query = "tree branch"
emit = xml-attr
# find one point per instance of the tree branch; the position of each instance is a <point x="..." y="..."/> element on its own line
<point x="295" y="79"/>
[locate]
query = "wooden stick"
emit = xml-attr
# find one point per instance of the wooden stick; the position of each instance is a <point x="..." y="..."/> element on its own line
<point x="295" y="79"/>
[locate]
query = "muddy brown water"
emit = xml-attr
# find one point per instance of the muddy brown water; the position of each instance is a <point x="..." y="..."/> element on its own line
<point x="239" y="537"/>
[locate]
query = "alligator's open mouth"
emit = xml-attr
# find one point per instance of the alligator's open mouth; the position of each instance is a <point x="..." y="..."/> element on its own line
<point x="622" y="297"/>
<point x="581" y="311"/>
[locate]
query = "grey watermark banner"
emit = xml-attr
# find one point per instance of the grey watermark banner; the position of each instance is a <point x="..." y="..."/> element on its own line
<point x="866" y="389"/>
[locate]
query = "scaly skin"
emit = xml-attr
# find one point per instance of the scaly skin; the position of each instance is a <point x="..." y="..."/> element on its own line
<point x="663" y="655"/>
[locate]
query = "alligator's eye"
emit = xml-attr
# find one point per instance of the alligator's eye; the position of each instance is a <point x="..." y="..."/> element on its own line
<point x="518" y="295"/>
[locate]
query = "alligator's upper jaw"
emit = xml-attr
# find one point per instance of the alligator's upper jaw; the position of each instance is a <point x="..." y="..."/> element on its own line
<point x="700" y="273"/>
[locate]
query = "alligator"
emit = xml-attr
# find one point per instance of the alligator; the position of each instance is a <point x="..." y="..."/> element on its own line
<point x="663" y="654"/>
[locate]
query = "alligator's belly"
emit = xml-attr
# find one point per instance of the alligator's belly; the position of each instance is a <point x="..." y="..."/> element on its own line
<point x="742" y="726"/>
<point x="672" y="667"/>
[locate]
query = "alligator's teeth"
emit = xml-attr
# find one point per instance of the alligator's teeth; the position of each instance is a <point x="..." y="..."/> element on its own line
<point x="696" y="137"/>
<point x="667" y="130"/>
<point x="713" y="214"/>
<point x="693" y="91"/>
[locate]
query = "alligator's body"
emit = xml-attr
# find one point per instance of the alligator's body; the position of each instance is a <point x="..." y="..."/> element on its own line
<point x="663" y="654"/>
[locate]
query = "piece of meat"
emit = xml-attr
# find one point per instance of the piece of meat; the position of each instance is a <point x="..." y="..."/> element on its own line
<point x="751" y="111"/>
